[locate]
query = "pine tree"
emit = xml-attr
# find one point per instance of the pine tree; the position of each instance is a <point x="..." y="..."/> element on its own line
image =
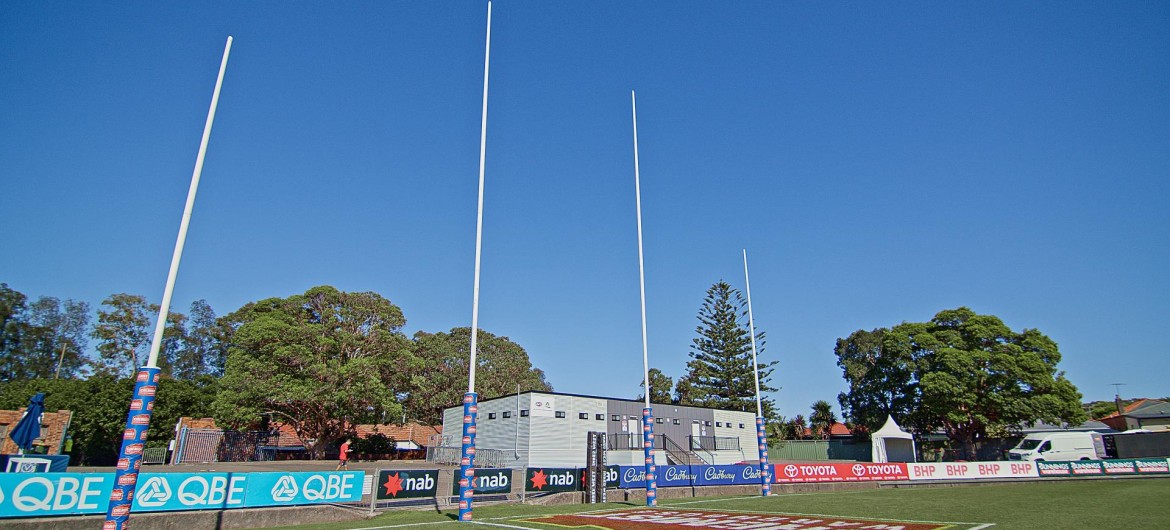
<point x="719" y="373"/>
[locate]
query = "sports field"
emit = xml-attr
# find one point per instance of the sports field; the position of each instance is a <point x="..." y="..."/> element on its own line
<point x="1095" y="504"/>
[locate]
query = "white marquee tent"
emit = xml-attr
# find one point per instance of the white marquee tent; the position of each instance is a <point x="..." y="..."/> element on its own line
<point x="891" y="444"/>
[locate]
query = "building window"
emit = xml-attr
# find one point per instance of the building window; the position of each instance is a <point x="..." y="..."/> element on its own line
<point x="720" y="424"/>
<point x="507" y="414"/>
<point x="491" y="415"/>
<point x="657" y="420"/>
<point x="741" y="426"/>
<point x="600" y="417"/>
<point x="583" y="415"/>
<point x="523" y="413"/>
<point x="707" y="423"/>
<point x="676" y="422"/>
<point x="560" y="414"/>
<point x="615" y="418"/>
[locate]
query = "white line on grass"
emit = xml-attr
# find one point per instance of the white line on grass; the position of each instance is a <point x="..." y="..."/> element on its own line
<point x="981" y="525"/>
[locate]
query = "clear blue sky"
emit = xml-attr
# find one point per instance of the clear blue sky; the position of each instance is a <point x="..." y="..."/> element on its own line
<point x="879" y="161"/>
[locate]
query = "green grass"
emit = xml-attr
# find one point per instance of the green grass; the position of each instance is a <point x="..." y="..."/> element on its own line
<point x="1091" y="504"/>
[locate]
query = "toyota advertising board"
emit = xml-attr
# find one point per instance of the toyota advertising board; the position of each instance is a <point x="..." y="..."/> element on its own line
<point x="838" y="472"/>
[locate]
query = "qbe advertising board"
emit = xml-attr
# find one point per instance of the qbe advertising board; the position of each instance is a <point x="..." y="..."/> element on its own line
<point x="34" y="495"/>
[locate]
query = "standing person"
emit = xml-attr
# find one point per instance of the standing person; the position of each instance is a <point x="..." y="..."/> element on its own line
<point x="343" y="456"/>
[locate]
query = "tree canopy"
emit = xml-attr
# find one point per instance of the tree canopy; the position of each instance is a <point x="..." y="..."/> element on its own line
<point x="437" y="371"/>
<point x="321" y="358"/>
<point x="964" y="373"/>
<point x="720" y="371"/>
<point x="660" y="385"/>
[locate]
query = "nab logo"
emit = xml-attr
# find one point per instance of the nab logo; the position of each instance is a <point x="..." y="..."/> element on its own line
<point x="791" y="471"/>
<point x="285" y="489"/>
<point x="156" y="492"/>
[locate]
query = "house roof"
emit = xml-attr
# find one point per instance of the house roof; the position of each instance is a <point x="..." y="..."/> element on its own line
<point x="1138" y="406"/>
<point x="411" y="432"/>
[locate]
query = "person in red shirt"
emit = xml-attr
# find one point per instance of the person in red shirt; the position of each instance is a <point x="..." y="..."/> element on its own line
<point x="343" y="456"/>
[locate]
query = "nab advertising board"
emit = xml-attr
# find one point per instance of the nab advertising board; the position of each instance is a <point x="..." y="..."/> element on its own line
<point x="406" y="483"/>
<point x="551" y="479"/>
<point x="33" y="495"/>
<point x="488" y="482"/>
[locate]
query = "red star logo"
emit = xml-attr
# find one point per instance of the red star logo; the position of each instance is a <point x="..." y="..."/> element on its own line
<point x="538" y="479"/>
<point x="393" y="485"/>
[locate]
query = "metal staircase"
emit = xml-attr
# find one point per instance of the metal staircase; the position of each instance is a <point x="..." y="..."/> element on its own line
<point x="676" y="455"/>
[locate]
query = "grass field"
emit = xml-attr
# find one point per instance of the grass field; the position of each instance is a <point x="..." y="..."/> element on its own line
<point x="1095" y="504"/>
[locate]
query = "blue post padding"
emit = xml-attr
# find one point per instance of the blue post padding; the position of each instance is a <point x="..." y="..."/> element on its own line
<point x="133" y="443"/>
<point x="762" y="439"/>
<point x="648" y="448"/>
<point x="467" y="462"/>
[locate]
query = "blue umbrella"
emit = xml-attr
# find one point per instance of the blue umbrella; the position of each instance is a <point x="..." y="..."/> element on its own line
<point x="28" y="428"/>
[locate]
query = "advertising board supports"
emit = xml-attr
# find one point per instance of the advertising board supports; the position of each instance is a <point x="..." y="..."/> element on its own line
<point x="133" y="443"/>
<point x="648" y="450"/>
<point x="467" y="461"/>
<point x="762" y="440"/>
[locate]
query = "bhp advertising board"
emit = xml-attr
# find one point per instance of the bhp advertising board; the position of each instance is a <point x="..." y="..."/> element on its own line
<point x="972" y="470"/>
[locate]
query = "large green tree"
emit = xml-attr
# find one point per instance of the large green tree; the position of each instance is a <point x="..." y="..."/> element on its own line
<point x="123" y="335"/>
<point x="437" y="373"/>
<point x="660" y="387"/>
<point x="201" y="345"/>
<point x="321" y="359"/>
<point x="43" y="339"/>
<point x="964" y="373"/>
<point x="720" y="371"/>
<point x="880" y="368"/>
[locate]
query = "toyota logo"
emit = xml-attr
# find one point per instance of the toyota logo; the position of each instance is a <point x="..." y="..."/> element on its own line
<point x="858" y="469"/>
<point x="791" y="471"/>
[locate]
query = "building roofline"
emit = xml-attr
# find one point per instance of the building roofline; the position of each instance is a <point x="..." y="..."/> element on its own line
<point x="588" y="396"/>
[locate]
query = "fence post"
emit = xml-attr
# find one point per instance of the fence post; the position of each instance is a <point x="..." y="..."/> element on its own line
<point x="374" y="490"/>
<point x="178" y="456"/>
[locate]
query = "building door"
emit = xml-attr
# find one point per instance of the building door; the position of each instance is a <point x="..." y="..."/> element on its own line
<point x="696" y="432"/>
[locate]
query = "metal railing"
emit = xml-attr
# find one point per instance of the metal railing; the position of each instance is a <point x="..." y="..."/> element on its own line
<point x="630" y="442"/>
<point x="216" y="445"/>
<point x="713" y="443"/>
<point x="680" y="455"/>
<point x="451" y="456"/>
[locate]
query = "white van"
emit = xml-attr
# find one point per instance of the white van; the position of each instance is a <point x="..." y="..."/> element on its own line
<point x="1058" y="446"/>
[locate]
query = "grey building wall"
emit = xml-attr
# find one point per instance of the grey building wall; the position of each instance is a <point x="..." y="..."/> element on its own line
<point x="552" y="429"/>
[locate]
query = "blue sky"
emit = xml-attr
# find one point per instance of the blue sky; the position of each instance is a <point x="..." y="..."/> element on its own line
<point x="879" y="161"/>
